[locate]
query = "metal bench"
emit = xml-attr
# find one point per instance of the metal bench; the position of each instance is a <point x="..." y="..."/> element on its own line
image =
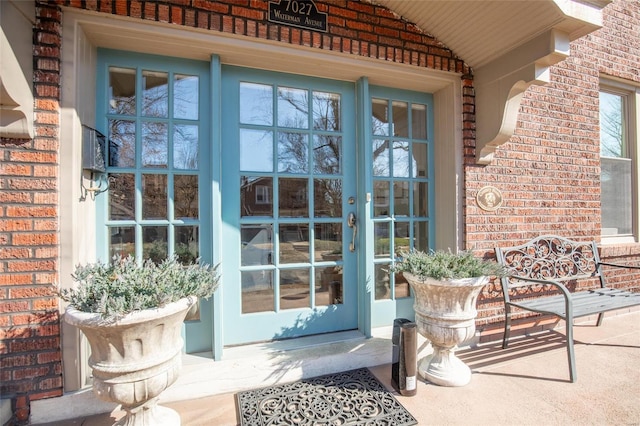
<point x="563" y="265"/>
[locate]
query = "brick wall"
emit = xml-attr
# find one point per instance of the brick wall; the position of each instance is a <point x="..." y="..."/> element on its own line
<point x="30" y="358"/>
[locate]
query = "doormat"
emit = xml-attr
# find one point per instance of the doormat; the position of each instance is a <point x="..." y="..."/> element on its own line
<point x="353" y="397"/>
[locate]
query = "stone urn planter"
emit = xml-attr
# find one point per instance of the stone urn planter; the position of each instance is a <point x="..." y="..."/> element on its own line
<point x="445" y="315"/>
<point x="135" y="358"/>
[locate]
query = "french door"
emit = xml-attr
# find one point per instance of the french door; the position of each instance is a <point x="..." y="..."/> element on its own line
<point x="289" y="221"/>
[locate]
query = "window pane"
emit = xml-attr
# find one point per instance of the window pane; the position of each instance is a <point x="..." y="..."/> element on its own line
<point x="187" y="244"/>
<point x="327" y="244"/>
<point x="154" y="196"/>
<point x="155" y="149"/>
<point x="256" y="104"/>
<point x="122" y="143"/>
<point x="257" y="291"/>
<point x="327" y="154"/>
<point x="294" y="289"/>
<point x="419" y="166"/>
<point x="293" y="152"/>
<point x="293" y="108"/>
<point x="122" y="201"/>
<point x="185" y="197"/>
<point x="122" y="241"/>
<point x="419" y="121"/>
<point x="185" y="96"/>
<point x="294" y="243"/>
<point x="293" y="197"/>
<point x="326" y="111"/>
<point x="185" y="147"/>
<point x="381" y="198"/>
<point x="401" y="198"/>
<point x="256" y="150"/>
<point x="155" y="94"/>
<point x="154" y="243"/>
<point x="401" y="237"/>
<point x="380" y="117"/>
<point x="256" y="196"/>
<point x="382" y="247"/>
<point x="400" y="119"/>
<point x="616" y="196"/>
<point x="612" y="125"/>
<point x="401" y="159"/>
<point x="122" y="91"/>
<point x="381" y="158"/>
<point x="327" y="197"/>
<point x="420" y="199"/>
<point x="257" y="244"/>
<point x="421" y="236"/>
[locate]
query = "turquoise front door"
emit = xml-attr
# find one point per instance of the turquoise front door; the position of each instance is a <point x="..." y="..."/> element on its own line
<point x="289" y="251"/>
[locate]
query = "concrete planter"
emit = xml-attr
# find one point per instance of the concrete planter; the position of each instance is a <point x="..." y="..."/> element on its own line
<point x="445" y="315"/>
<point x="135" y="358"/>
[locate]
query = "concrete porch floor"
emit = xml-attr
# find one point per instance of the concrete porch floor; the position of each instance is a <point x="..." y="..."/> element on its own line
<point x="526" y="384"/>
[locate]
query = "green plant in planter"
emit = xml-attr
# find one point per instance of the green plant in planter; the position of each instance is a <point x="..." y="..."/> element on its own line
<point x="123" y="286"/>
<point x="440" y="264"/>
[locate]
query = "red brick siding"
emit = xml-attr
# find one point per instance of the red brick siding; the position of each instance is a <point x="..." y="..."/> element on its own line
<point x="30" y="357"/>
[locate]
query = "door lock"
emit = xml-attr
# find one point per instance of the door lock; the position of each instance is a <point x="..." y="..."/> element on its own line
<point x="351" y="222"/>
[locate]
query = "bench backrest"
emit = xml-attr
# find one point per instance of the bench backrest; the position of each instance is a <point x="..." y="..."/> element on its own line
<point x="550" y="257"/>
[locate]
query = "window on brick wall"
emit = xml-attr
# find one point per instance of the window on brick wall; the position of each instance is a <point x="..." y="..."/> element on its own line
<point x="619" y="160"/>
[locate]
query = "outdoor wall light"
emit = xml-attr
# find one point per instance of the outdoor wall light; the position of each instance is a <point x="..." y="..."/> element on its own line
<point x="93" y="162"/>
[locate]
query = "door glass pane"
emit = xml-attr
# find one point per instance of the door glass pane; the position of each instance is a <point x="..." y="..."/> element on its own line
<point x="185" y="96"/>
<point x="294" y="288"/>
<point x="122" y="91"/>
<point x="155" y="144"/>
<point x="122" y="241"/>
<point x="122" y="143"/>
<point x="185" y="146"/>
<point x="256" y="196"/>
<point x="154" y="243"/>
<point x="293" y="108"/>
<point x="419" y="166"/>
<point x="257" y="291"/>
<point x="185" y="197"/>
<point x="421" y="236"/>
<point x="155" y="94"/>
<point x="327" y="200"/>
<point x="122" y="201"/>
<point x="419" y="121"/>
<point x="381" y="157"/>
<point x="154" y="196"/>
<point x="327" y="154"/>
<point x="256" y="150"/>
<point x="401" y="198"/>
<point x="400" y="119"/>
<point x="382" y="287"/>
<point x="257" y="244"/>
<point x="381" y="198"/>
<point x="382" y="245"/>
<point x="326" y="111"/>
<point x="187" y="244"/>
<point x="401" y="159"/>
<point x="401" y="237"/>
<point x="420" y="199"/>
<point x="293" y="197"/>
<point x="328" y="286"/>
<point x="294" y="243"/>
<point x="380" y="117"/>
<point x="256" y="104"/>
<point x="327" y="243"/>
<point x="293" y="152"/>
<point x="401" y="287"/>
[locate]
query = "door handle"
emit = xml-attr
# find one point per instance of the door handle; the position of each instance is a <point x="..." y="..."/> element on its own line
<point x="351" y="222"/>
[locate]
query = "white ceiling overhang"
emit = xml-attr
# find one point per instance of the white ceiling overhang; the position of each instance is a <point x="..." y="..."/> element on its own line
<point x="509" y="45"/>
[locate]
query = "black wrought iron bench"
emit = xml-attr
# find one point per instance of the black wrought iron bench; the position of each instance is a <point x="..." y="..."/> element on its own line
<point x="563" y="265"/>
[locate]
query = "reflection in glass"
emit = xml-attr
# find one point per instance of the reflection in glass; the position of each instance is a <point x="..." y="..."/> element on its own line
<point x="155" y="149"/>
<point x="257" y="291"/>
<point x="293" y="108"/>
<point x="122" y="91"/>
<point x="420" y="199"/>
<point x="421" y="236"/>
<point x="381" y="157"/>
<point x="293" y="152"/>
<point x="294" y="289"/>
<point x="401" y="159"/>
<point x="381" y="198"/>
<point x="327" y="197"/>
<point x="382" y="287"/>
<point x="327" y="154"/>
<point x="122" y="191"/>
<point x="155" y="94"/>
<point x="154" y="196"/>
<point x="293" y="197"/>
<point x="381" y="243"/>
<point x="419" y="166"/>
<point x="122" y="241"/>
<point x="257" y="244"/>
<point x="187" y="247"/>
<point x="294" y="243"/>
<point x="380" y="117"/>
<point x="401" y="237"/>
<point x="401" y="198"/>
<point x="400" y="119"/>
<point x="256" y="196"/>
<point x="185" y="146"/>
<point x="185" y="197"/>
<point x="326" y="111"/>
<point x="327" y="243"/>
<point x="154" y="243"/>
<point x="256" y="150"/>
<point x="185" y="96"/>
<point x="419" y="121"/>
<point x="256" y="104"/>
<point x="402" y="288"/>
<point x="328" y="286"/>
<point x="122" y="143"/>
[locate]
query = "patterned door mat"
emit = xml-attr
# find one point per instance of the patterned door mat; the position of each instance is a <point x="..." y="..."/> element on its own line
<point x="353" y="397"/>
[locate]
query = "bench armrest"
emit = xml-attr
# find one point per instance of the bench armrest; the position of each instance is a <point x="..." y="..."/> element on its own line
<point x="620" y="266"/>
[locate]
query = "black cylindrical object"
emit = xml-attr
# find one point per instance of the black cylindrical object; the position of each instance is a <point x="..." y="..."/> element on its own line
<point x="404" y="365"/>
